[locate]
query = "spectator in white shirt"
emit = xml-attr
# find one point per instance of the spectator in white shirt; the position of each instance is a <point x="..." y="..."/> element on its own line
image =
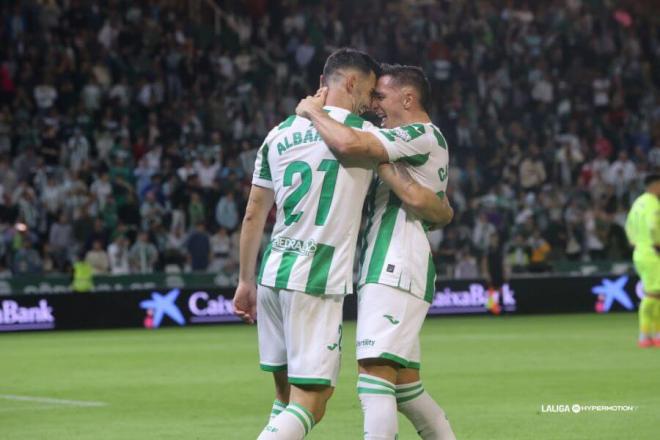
<point x="220" y="250"/>
<point x="118" y="256"/>
<point x="568" y="158"/>
<point x="247" y="158"/>
<point x="45" y="95"/>
<point x="109" y="33"/>
<point x="77" y="151"/>
<point x="102" y="189"/>
<point x="482" y="231"/>
<point x="143" y="255"/>
<point x="543" y="90"/>
<point x="207" y="170"/>
<point x="91" y="95"/>
<point x="622" y="171"/>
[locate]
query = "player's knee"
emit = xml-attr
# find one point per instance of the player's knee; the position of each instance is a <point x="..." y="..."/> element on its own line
<point x="383" y="368"/>
<point x="312" y="397"/>
<point x="407" y="375"/>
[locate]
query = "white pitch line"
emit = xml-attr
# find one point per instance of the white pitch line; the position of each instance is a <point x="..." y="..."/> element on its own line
<point x="26" y="408"/>
<point x="52" y="401"/>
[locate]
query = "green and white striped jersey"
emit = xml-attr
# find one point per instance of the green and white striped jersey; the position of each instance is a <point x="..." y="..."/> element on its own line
<point x="395" y="250"/>
<point x="319" y="208"/>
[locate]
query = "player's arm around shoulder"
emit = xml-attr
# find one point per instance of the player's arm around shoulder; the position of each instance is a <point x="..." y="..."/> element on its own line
<point x="420" y="199"/>
<point x="259" y="204"/>
<point x="344" y="141"/>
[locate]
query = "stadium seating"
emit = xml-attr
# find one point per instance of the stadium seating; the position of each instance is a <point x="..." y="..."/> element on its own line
<point x="128" y="130"/>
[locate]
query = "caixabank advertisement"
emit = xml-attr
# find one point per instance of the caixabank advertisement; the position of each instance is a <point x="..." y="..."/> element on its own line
<point x="157" y="308"/>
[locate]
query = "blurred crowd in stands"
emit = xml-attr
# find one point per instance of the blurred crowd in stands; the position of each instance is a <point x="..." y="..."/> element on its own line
<point x="128" y="130"/>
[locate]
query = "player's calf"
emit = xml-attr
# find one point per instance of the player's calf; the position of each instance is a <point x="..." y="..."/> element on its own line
<point x="306" y="409"/>
<point x="376" y="391"/>
<point x="282" y="391"/>
<point x="429" y="420"/>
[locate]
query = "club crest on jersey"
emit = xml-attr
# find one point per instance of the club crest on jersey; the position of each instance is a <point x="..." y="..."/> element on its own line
<point x="401" y="134"/>
<point x="285" y="244"/>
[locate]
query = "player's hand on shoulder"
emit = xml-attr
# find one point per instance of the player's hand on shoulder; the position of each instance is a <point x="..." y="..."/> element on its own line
<point x="245" y="302"/>
<point x="447" y="214"/>
<point x="449" y="211"/>
<point x="310" y="104"/>
<point x="388" y="170"/>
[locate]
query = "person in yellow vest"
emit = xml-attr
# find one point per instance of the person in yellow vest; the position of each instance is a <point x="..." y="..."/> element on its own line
<point x="83" y="275"/>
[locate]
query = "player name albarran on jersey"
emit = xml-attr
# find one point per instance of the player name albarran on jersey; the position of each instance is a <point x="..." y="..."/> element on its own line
<point x="300" y="247"/>
<point x="298" y="138"/>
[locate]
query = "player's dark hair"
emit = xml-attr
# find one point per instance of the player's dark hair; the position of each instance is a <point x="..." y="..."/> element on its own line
<point x="651" y="179"/>
<point x="347" y="58"/>
<point x="412" y="76"/>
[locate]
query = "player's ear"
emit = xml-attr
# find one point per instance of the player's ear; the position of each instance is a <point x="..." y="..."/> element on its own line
<point x="350" y="83"/>
<point x="407" y="98"/>
<point x="321" y="81"/>
<point x="407" y="101"/>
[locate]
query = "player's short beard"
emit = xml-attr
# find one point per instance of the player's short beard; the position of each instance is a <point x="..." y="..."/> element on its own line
<point x="357" y="108"/>
<point x="354" y="106"/>
<point x="372" y="117"/>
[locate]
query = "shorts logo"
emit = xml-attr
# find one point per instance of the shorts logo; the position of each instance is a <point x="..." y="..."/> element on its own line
<point x="391" y="319"/>
<point x="338" y="343"/>
<point x="285" y="244"/>
<point x="365" y="342"/>
<point x="390" y="268"/>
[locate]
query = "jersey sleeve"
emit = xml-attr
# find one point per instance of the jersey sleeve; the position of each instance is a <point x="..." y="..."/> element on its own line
<point x="262" y="173"/>
<point x="406" y="143"/>
<point x="654" y="224"/>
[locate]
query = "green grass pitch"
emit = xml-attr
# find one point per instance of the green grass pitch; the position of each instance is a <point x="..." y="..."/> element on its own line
<point x="491" y="375"/>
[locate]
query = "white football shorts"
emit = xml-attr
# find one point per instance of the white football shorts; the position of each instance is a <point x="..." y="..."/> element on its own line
<point x="389" y="322"/>
<point x="301" y="334"/>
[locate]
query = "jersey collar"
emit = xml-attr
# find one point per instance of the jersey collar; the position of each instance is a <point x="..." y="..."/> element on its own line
<point x="332" y="108"/>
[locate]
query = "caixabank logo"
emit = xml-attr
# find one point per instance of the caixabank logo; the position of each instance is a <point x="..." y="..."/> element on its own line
<point x="610" y="292"/>
<point x="207" y="308"/>
<point x="161" y="306"/>
<point x="201" y="307"/>
<point x="474" y="299"/>
<point x="15" y="317"/>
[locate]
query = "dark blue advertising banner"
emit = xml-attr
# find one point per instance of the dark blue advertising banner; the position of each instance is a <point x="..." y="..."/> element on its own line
<point x="539" y="295"/>
<point x="186" y="307"/>
<point x="150" y="309"/>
